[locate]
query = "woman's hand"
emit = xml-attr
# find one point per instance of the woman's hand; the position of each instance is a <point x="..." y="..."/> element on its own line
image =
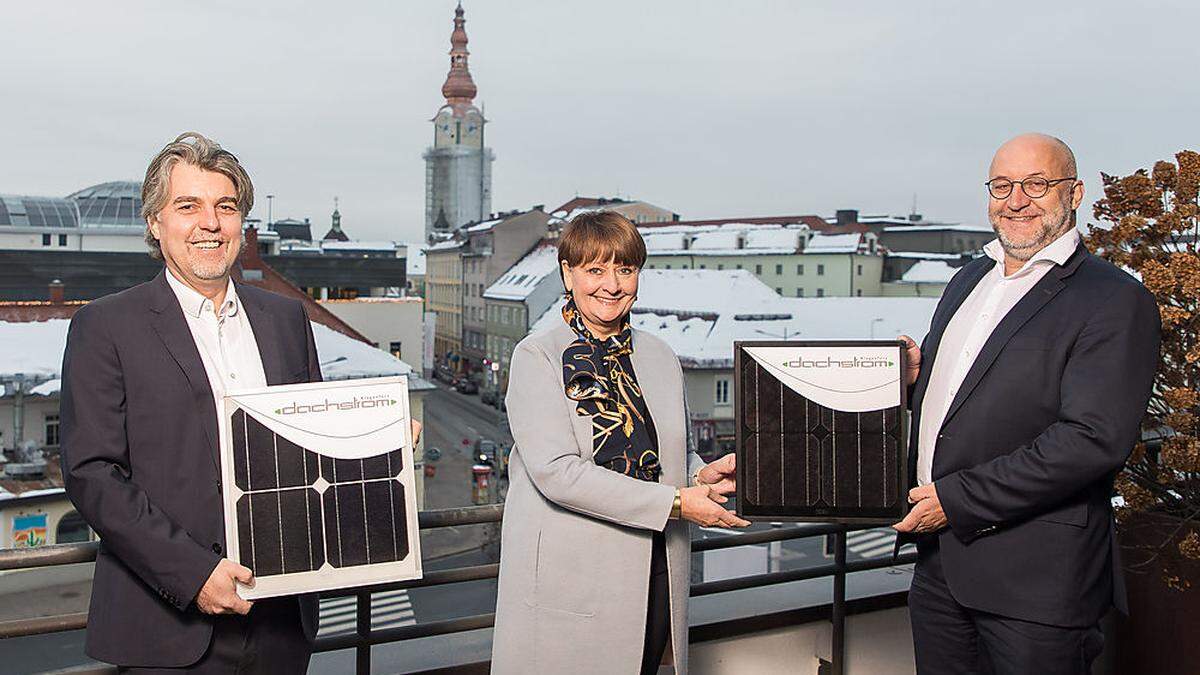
<point x="721" y="474"/>
<point x="702" y="505"/>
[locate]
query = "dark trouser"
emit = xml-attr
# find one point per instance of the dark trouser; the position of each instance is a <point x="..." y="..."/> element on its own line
<point x="658" y="608"/>
<point x="952" y="639"/>
<point x="269" y="640"/>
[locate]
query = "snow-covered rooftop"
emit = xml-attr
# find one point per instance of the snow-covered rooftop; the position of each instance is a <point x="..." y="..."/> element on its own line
<point x="725" y="239"/>
<point x="943" y="227"/>
<point x="923" y="255"/>
<point x="484" y="226"/>
<point x="522" y="278"/>
<point x="700" y="313"/>
<point x="445" y="245"/>
<point x="359" y="246"/>
<point x="834" y="243"/>
<point x="929" y="272"/>
<point x="35" y="349"/>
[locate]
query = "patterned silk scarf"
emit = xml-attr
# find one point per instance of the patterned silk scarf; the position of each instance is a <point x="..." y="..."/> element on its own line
<point x="599" y="377"/>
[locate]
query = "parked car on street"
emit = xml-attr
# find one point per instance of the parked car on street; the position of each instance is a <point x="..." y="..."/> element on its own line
<point x="465" y="385"/>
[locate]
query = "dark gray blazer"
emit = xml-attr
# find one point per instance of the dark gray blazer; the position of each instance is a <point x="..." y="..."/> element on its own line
<point x="139" y="457"/>
<point x="1026" y="457"/>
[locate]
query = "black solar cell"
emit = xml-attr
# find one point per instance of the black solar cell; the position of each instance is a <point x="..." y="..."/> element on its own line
<point x="302" y="508"/>
<point x="800" y="460"/>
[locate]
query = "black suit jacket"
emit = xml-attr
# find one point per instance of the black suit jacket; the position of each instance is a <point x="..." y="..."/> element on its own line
<point x="140" y="462"/>
<point x="1025" y="459"/>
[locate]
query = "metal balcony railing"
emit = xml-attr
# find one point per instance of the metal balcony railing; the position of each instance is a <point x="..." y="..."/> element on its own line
<point x="364" y="636"/>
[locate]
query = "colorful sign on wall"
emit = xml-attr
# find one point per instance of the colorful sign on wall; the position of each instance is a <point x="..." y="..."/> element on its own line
<point x="29" y="531"/>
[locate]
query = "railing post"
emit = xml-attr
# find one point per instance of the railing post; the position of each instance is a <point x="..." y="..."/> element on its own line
<point x="362" y="653"/>
<point x="838" y="655"/>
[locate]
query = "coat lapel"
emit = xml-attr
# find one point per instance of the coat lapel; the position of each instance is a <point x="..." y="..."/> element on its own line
<point x="170" y="325"/>
<point x="266" y="336"/>
<point x="942" y="319"/>
<point x="1025" y="309"/>
<point x="656" y="390"/>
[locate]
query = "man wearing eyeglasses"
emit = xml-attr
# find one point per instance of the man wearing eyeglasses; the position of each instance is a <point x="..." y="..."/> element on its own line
<point x="1027" y="396"/>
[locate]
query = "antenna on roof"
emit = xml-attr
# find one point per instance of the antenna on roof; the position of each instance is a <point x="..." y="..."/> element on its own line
<point x="913" y="215"/>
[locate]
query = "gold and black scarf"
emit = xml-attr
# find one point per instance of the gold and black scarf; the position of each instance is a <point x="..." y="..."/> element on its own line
<point x="598" y="376"/>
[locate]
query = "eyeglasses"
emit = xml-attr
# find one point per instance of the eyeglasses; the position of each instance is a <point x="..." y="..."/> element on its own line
<point x="1035" y="187"/>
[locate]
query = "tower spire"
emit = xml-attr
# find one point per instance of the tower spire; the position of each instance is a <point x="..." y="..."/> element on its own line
<point x="459" y="87"/>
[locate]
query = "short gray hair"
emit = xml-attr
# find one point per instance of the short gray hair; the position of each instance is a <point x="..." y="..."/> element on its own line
<point x="201" y="152"/>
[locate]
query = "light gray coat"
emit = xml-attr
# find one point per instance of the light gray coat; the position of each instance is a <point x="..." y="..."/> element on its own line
<point x="576" y="543"/>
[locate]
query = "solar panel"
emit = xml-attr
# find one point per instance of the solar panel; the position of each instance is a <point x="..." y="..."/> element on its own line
<point x="820" y="430"/>
<point x="318" y="485"/>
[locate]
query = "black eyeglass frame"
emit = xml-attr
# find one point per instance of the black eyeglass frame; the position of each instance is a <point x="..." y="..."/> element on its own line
<point x="1049" y="184"/>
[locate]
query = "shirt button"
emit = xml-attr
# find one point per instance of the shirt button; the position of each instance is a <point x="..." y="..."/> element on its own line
<point x="233" y="376"/>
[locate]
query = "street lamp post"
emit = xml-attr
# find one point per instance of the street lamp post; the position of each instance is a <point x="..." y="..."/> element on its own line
<point x="270" y="220"/>
<point x="787" y="334"/>
<point x="873" y="322"/>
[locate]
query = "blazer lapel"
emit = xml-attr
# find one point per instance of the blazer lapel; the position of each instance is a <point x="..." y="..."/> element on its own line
<point x="942" y="319"/>
<point x="266" y="336"/>
<point x="1037" y="297"/>
<point x="656" y="391"/>
<point x="168" y="322"/>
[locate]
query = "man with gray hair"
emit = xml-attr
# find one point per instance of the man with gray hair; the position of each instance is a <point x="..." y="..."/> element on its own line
<point x="144" y="374"/>
<point x="1027" y="396"/>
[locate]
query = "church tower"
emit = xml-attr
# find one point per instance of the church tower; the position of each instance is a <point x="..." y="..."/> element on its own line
<point x="458" y="168"/>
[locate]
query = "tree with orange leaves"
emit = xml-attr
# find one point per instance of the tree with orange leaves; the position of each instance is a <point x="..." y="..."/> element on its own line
<point x="1152" y="228"/>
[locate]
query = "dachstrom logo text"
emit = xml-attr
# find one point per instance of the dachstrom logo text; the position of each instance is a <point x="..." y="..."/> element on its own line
<point x="830" y="362"/>
<point x="356" y="403"/>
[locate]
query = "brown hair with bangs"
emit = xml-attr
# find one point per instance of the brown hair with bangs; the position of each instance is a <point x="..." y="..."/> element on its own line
<point x="601" y="236"/>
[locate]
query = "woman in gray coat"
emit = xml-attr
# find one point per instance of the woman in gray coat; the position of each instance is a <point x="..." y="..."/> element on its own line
<point x="595" y="558"/>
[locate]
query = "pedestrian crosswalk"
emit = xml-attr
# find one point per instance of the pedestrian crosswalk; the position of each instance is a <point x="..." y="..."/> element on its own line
<point x="873" y="543"/>
<point x="389" y="609"/>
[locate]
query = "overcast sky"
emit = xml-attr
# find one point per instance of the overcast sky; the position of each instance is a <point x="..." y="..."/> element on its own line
<point x="711" y="109"/>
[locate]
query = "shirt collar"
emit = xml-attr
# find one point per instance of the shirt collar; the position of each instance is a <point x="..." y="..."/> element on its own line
<point x="193" y="302"/>
<point x="1057" y="252"/>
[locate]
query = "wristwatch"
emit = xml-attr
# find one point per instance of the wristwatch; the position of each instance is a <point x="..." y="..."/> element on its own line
<point x="677" y="506"/>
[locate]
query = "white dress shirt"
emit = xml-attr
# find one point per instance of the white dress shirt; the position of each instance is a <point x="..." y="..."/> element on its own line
<point x="224" y="339"/>
<point x="970" y="328"/>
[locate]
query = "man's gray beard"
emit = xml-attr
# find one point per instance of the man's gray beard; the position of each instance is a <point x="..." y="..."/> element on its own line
<point x="1023" y="251"/>
<point x="210" y="272"/>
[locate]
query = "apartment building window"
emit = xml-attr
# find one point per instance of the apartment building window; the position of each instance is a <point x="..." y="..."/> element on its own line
<point x="722" y="397"/>
<point x="799" y="269"/>
<point x="45" y="240"/>
<point x="667" y="267"/>
<point x="799" y="292"/>
<point x="720" y="267"/>
<point x="703" y="267"/>
<point x="758" y="269"/>
<point x="779" y="269"/>
<point x="62" y="240"/>
<point x="739" y="266"/>
<point x="52" y="430"/>
<point x="859" y="293"/>
<point x="779" y="290"/>
<point x="820" y="270"/>
<point x="860" y="270"/>
<point x="394" y="348"/>
<point x="820" y="292"/>
<point x="650" y="266"/>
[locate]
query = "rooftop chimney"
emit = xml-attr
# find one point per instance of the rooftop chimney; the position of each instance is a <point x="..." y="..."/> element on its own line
<point x="57" y="293"/>
<point x="846" y="217"/>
